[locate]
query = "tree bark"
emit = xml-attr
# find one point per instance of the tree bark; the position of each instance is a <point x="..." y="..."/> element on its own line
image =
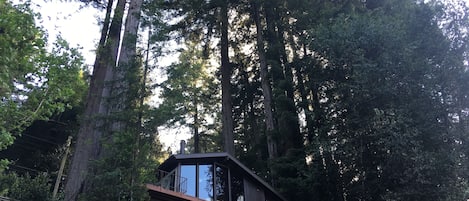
<point x="103" y="130"/>
<point x="282" y="78"/>
<point x="127" y="65"/>
<point x="294" y="137"/>
<point x="196" y="127"/>
<point x="305" y="102"/>
<point x="87" y="146"/>
<point x="266" y="85"/>
<point x="227" y="113"/>
<point x="121" y="89"/>
<point x="83" y="149"/>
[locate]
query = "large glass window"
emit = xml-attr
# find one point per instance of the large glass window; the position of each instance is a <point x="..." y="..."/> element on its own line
<point x="206" y="182"/>
<point x="237" y="187"/>
<point x="201" y="182"/>
<point x="188" y="175"/>
<point x="221" y="183"/>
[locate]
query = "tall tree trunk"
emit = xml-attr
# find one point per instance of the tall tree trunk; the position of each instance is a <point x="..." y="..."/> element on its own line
<point x="286" y="114"/>
<point x="305" y="103"/>
<point x="227" y="112"/>
<point x="128" y="51"/>
<point x="196" y="127"/>
<point x="88" y="138"/>
<point x="83" y="149"/>
<point x="112" y="49"/>
<point x="279" y="94"/>
<point x="126" y="68"/>
<point x="127" y="65"/>
<point x="265" y="83"/>
<point x="331" y="187"/>
<point x="294" y="138"/>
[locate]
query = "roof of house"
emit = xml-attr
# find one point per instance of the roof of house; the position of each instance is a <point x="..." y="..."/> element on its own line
<point x="173" y="161"/>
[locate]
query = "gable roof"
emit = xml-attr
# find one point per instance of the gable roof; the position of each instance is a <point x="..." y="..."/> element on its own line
<point x="173" y="161"/>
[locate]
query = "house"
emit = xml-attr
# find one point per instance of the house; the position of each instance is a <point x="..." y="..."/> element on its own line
<point x="209" y="177"/>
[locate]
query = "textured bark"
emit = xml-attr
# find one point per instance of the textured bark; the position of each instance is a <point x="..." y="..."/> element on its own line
<point x="276" y="71"/>
<point x="305" y="102"/>
<point x="196" y="127"/>
<point x="129" y="44"/>
<point x="294" y="137"/>
<point x="87" y="146"/>
<point x="83" y="148"/>
<point x="227" y="112"/>
<point x="127" y="64"/>
<point x="266" y="85"/>
<point x="282" y="78"/>
<point x="112" y="50"/>
<point x="121" y="85"/>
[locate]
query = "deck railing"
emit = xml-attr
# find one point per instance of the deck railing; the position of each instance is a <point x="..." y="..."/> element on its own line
<point x="171" y="181"/>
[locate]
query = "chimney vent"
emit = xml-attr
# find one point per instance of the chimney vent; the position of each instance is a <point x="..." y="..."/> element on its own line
<point x="182" y="147"/>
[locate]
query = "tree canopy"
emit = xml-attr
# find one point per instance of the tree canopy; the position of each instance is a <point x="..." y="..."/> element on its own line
<point x="32" y="77"/>
<point x="37" y="83"/>
<point x="325" y="100"/>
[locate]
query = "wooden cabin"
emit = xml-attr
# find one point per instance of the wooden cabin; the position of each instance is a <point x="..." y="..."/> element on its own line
<point x="209" y="177"/>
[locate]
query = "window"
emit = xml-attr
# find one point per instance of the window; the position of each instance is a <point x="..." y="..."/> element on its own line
<point x="237" y="187"/>
<point x="210" y="182"/>
<point x="206" y="182"/>
<point x="221" y="183"/>
<point x="188" y="172"/>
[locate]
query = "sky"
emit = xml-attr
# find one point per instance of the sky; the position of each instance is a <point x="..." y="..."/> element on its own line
<point x="79" y="26"/>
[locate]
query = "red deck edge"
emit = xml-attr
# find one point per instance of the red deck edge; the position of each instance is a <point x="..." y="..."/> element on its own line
<point x="172" y="193"/>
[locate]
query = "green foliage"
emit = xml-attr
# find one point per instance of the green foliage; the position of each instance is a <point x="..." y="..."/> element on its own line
<point x="129" y="148"/>
<point x="130" y="154"/>
<point x="385" y="133"/>
<point x="122" y="175"/>
<point x="19" y="45"/>
<point x="35" y="83"/>
<point x="190" y="97"/>
<point x="25" y="187"/>
<point x="380" y="87"/>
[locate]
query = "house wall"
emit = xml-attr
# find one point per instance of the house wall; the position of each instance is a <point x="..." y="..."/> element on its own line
<point x="253" y="192"/>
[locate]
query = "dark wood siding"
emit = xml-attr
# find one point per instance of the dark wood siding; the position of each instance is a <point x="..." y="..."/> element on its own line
<point x="253" y="192"/>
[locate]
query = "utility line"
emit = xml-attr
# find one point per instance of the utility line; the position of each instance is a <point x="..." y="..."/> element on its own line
<point x="40" y="139"/>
